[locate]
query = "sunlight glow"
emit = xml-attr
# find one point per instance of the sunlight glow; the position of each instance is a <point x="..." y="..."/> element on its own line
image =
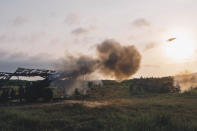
<point x="182" y="48"/>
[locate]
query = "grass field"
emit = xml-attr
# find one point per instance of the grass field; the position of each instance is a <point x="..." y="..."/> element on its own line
<point x="106" y="108"/>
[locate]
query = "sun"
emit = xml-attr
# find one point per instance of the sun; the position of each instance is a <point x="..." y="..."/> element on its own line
<point x="180" y="45"/>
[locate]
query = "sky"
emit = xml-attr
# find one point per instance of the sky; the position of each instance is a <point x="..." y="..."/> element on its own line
<point x="38" y="33"/>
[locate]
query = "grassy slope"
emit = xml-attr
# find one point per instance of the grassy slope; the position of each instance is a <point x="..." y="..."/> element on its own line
<point x="151" y="112"/>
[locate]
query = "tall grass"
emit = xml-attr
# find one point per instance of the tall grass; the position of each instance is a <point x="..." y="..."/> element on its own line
<point x="77" y="117"/>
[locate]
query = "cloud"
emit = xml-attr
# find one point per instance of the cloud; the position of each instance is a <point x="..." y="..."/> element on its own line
<point x="9" y="62"/>
<point x="26" y="38"/>
<point x="79" y="31"/>
<point x="20" y="20"/>
<point x="18" y="55"/>
<point x="10" y="66"/>
<point x="150" y="46"/>
<point x="141" y="22"/>
<point x="72" y="18"/>
<point x="82" y="30"/>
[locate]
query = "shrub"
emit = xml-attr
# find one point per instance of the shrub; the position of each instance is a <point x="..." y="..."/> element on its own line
<point x="153" y="85"/>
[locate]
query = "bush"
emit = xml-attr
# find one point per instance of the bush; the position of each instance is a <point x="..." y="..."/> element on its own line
<point x="153" y="85"/>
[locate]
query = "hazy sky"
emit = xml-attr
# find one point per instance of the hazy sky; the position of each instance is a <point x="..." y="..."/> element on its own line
<point x="35" y="33"/>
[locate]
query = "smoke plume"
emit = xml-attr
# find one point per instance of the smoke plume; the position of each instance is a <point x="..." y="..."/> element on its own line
<point x="72" y="74"/>
<point x="75" y="67"/>
<point x="116" y="61"/>
<point x="113" y="60"/>
<point x="186" y="80"/>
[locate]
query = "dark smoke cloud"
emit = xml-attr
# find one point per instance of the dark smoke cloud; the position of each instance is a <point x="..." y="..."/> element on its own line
<point x="119" y="62"/>
<point x="73" y="72"/>
<point x="77" y="67"/>
<point x="113" y="60"/>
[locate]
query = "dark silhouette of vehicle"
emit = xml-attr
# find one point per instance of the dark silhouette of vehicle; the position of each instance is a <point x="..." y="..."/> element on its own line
<point x="29" y="91"/>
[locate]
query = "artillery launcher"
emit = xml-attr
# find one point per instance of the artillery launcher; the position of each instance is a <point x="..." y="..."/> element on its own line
<point x="33" y="90"/>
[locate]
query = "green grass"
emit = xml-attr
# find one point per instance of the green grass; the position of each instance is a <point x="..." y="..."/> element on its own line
<point x="125" y="112"/>
<point x="78" y="117"/>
